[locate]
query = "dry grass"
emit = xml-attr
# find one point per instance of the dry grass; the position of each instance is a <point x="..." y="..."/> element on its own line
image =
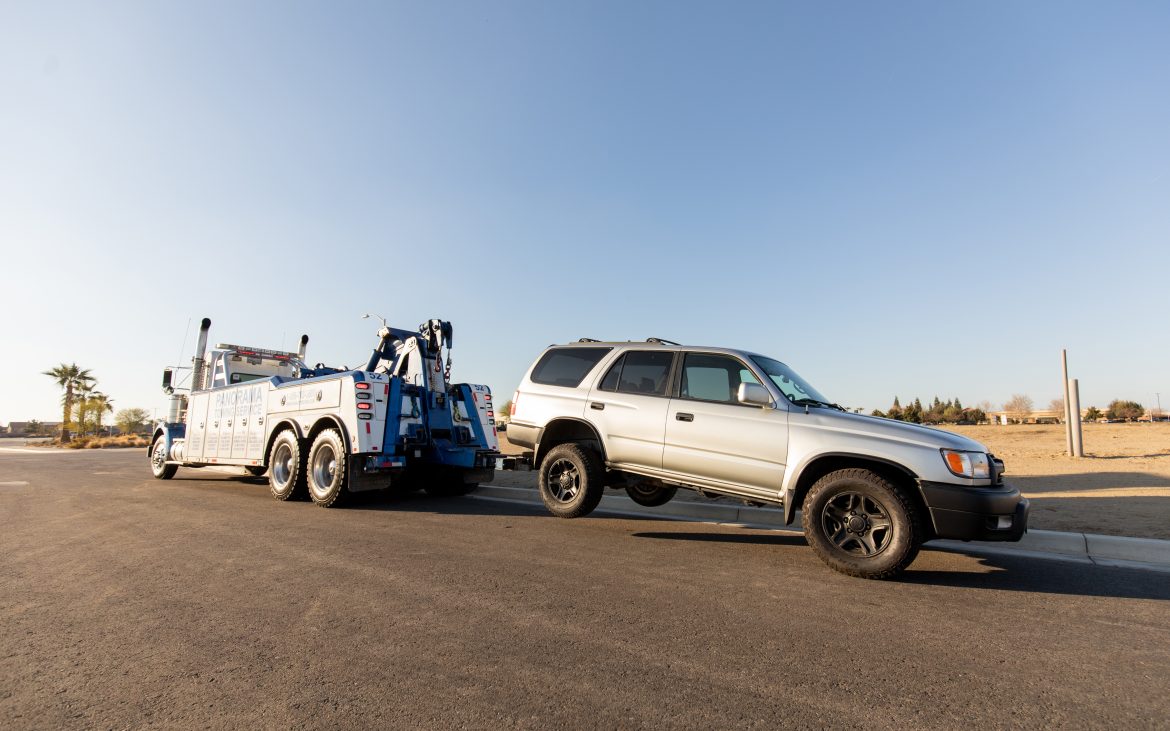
<point x="118" y="442"/>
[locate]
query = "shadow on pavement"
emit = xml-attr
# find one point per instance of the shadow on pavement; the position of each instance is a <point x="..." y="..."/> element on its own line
<point x="776" y="539"/>
<point x="1047" y="576"/>
<point x="999" y="573"/>
<point x="1087" y="481"/>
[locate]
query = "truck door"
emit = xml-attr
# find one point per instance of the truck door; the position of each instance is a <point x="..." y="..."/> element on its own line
<point x="712" y="436"/>
<point x="628" y="407"/>
<point x="196" y="426"/>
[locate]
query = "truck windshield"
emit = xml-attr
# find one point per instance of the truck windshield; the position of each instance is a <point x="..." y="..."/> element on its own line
<point x="790" y="384"/>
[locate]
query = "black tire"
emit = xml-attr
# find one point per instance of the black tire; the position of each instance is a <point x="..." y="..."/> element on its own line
<point x="328" y="469"/>
<point x="158" y="460"/>
<point x="255" y="470"/>
<point x="286" y="467"/>
<point x="571" y="481"/>
<point x="862" y="525"/>
<point x="650" y="494"/>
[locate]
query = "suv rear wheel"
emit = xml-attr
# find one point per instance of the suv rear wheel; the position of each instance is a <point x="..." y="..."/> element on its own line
<point x="571" y="481"/>
<point x="861" y="525"/>
<point x="650" y="494"/>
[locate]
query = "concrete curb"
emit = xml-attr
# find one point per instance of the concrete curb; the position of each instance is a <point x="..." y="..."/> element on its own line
<point x="1119" y="551"/>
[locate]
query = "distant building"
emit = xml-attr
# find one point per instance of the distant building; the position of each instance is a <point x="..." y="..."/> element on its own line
<point x="20" y="428"/>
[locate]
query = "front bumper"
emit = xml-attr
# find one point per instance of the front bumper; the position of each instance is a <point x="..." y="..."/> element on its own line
<point x="997" y="513"/>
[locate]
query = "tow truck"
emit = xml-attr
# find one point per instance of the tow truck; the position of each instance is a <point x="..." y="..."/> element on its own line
<point x="326" y="433"/>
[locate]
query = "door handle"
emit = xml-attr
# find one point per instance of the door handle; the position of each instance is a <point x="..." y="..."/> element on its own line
<point x="682" y="416"/>
<point x="597" y="406"/>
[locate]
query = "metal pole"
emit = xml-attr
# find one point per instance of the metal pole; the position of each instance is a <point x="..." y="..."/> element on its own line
<point x="1078" y="446"/>
<point x="1068" y="430"/>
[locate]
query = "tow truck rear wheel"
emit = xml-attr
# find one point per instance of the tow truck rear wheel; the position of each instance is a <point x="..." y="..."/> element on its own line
<point x="327" y="471"/>
<point x="572" y="480"/>
<point x="158" y="460"/>
<point x="286" y="467"/>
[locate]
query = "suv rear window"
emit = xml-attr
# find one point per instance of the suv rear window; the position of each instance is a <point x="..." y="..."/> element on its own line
<point x="639" y="372"/>
<point x="566" y="366"/>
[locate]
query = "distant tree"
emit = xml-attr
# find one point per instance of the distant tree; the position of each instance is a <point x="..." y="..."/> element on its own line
<point x="99" y="404"/>
<point x="1057" y="405"/>
<point x="958" y="405"/>
<point x="1093" y="414"/>
<point x="895" y="411"/>
<point x="1124" y="410"/>
<point x="974" y="416"/>
<point x="34" y="428"/>
<point x="878" y="413"/>
<point x="71" y="378"/>
<point x="913" y="413"/>
<point x="129" y="421"/>
<point x="934" y="414"/>
<point x="952" y="415"/>
<point x="1018" y="407"/>
<point x="504" y="410"/>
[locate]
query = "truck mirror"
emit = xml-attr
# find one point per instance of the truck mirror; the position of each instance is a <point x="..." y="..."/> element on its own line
<point x="166" y="384"/>
<point x="753" y="393"/>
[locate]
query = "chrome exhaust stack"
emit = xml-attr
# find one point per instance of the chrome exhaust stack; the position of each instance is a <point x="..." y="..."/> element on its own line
<point x="200" y="351"/>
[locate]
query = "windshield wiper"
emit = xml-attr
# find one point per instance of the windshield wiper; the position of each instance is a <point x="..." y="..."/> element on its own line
<point x="816" y="402"/>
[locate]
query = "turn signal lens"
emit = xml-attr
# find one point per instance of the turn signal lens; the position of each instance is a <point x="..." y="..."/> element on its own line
<point x="967" y="464"/>
<point x="362" y="386"/>
<point x="365" y="405"/>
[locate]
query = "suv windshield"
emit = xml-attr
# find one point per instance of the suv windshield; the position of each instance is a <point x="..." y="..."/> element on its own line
<point x="790" y="384"/>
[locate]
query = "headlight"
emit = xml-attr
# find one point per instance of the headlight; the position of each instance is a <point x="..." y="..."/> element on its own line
<point x="967" y="464"/>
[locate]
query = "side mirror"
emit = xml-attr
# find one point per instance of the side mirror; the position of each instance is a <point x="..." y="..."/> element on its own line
<point x="754" y="394"/>
<point x="167" y="387"/>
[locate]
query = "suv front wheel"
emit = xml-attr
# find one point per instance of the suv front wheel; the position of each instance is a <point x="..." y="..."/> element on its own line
<point x="861" y="525"/>
<point x="571" y="480"/>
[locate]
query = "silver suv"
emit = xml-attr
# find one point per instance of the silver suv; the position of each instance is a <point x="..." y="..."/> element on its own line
<point x="656" y="416"/>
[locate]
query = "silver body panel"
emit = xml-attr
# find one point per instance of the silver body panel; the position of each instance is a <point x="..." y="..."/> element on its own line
<point x="755" y="452"/>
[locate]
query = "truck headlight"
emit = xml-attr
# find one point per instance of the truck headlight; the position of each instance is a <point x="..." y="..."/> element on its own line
<point x="967" y="464"/>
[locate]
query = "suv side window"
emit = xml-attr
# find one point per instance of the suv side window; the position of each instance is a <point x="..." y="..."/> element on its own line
<point x="566" y="366"/>
<point x="713" y="378"/>
<point x="640" y="371"/>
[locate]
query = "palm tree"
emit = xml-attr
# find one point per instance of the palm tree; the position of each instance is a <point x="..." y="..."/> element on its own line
<point x="81" y="397"/>
<point x="69" y="377"/>
<point x="101" y="403"/>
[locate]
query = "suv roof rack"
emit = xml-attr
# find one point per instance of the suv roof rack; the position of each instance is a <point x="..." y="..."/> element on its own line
<point x="663" y="342"/>
<point x="588" y="340"/>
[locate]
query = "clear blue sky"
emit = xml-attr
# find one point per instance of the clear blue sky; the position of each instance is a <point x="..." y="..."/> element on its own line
<point x="897" y="198"/>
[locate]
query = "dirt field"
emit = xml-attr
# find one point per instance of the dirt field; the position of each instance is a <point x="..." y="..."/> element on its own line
<point x="1121" y="487"/>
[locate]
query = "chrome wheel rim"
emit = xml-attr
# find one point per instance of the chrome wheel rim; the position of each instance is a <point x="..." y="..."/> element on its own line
<point x="158" y="456"/>
<point x="323" y="469"/>
<point x="564" y="480"/>
<point x="857" y="524"/>
<point x="282" y="466"/>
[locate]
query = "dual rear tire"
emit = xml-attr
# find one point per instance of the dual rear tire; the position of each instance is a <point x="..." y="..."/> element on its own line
<point x="319" y="473"/>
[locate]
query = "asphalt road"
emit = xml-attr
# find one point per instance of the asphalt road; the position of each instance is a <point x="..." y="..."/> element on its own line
<point x="202" y="602"/>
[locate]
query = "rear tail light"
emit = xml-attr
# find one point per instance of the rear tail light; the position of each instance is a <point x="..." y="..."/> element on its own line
<point x="515" y="400"/>
<point x="365" y="406"/>
<point x="362" y="386"/>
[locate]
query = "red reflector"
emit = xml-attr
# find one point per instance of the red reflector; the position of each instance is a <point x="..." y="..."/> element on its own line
<point x="365" y="406"/>
<point x="362" y="386"/>
<point x="386" y="390"/>
<point x="367" y="427"/>
<point x="491" y="413"/>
